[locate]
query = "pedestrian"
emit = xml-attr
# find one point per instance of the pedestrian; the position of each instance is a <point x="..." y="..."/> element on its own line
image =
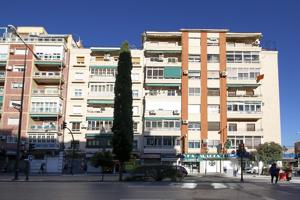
<point x="274" y="172"/>
<point x="225" y="169"/>
<point x="42" y="168"/>
<point x="26" y="169"/>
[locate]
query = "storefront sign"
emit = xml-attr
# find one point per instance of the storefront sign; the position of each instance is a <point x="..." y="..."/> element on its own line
<point x="198" y="157"/>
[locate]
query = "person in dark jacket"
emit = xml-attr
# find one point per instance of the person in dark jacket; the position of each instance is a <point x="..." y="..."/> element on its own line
<point x="274" y="172"/>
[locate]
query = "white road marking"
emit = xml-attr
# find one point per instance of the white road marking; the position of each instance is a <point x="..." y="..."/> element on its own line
<point x="189" y="185"/>
<point x="219" y="186"/>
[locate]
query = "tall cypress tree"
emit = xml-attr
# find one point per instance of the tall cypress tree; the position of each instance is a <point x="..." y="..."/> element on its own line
<point x="123" y="124"/>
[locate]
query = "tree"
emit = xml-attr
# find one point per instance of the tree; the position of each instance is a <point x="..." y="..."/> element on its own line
<point x="269" y="152"/>
<point x="103" y="160"/>
<point x="123" y="124"/>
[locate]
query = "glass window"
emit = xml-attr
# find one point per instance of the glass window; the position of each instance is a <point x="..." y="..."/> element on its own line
<point x="250" y="127"/>
<point x="194" y="58"/>
<point x="80" y="60"/>
<point x="213" y="126"/>
<point x="75" y="126"/>
<point x="232" y="127"/>
<point x="213" y="58"/>
<point x="213" y="92"/>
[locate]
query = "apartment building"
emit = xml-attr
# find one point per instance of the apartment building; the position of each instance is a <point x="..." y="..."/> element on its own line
<point x="197" y="94"/>
<point x="44" y="87"/>
<point x="220" y="87"/>
<point x="91" y="98"/>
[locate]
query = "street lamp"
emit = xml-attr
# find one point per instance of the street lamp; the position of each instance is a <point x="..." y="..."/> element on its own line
<point x="13" y="30"/>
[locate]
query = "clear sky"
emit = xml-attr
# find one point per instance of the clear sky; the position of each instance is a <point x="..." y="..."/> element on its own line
<point x="108" y="23"/>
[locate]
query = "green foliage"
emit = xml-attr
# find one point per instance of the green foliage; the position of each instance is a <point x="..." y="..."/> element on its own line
<point x="269" y="152"/>
<point x="123" y="123"/>
<point x="103" y="160"/>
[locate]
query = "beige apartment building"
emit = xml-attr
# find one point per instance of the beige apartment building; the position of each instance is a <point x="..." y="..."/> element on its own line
<point x="197" y="95"/>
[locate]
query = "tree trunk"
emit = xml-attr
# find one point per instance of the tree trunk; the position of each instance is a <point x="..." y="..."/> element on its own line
<point x="121" y="171"/>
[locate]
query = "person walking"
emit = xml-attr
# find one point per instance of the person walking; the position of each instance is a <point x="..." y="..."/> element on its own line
<point x="42" y="168"/>
<point x="26" y="169"/>
<point x="274" y="172"/>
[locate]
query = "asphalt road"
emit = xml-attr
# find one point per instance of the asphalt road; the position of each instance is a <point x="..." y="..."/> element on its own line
<point x="147" y="190"/>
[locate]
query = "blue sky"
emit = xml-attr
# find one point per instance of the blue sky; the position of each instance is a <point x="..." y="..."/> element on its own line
<point x="108" y="23"/>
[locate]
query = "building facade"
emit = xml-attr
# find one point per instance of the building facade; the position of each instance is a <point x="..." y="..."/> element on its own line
<point x="195" y="92"/>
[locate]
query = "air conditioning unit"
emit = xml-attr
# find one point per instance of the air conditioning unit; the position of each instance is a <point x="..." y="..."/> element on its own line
<point x="175" y="112"/>
<point x="185" y="72"/>
<point x="185" y="122"/>
<point x="11" y="51"/>
<point x="152" y="112"/>
<point x="9" y="68"/>
<point x="223" y="73"/>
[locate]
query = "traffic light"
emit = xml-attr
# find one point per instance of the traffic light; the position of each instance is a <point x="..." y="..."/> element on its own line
<point x="64" y="125"/>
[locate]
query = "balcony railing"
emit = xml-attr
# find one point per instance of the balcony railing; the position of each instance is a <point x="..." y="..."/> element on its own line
<point x="43" y="92"/>
<point x="45" y="110"/>
<point x="101" y="94"/>
<point x="243" y="95"/>
<point x="44" y="74"/>
<point x="43" y="128"/>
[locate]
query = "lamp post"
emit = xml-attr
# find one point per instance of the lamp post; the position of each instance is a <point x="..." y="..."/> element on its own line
<point x="64" y="126"/>
<point x="14" y="31"/>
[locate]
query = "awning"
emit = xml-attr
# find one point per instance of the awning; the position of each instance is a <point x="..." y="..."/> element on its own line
<point x="104" y="49"/>
<point x="163" y="51"/>
<point x="98" y="135"/>
<point x="164" y="84"/>
<point x="49" y="63"/>
<point x="97" y="101"/>
<point x="43" y="115"/>
<point x="242" y="85"/>
<point x="172" y="72"/>
<point x="103" y="67"/>
<point x="162" y="118"/>
<point x="99" y="118"/>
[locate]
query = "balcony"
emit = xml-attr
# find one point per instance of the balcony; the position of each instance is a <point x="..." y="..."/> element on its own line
<point x="245" y="132"/>
<point x="238" y="46"/>
<point x="107" y="61"/>
<point x="45" y="112"/>
<point x="50" y="60"/>
<point x="157" y="61"/>
<point x="105" y="79"/>
<point x="47" y="92"/>
<point x="44" y="140"/>
<point x="101" y="95"/>
<point x="43" y="128"/>
<point x="244" y="115"/>
<point x="244" y="97"/>
<point x="164" y="47"/>
<point x="100" y="112"/>
<point x="48" y="77"/>
<point x="242" y="83"/>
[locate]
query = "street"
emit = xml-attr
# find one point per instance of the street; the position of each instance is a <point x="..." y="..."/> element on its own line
<point x="208" y="187"/>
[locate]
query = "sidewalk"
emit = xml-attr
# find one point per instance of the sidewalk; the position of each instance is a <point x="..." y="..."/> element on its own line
<point x="62" y="177"/>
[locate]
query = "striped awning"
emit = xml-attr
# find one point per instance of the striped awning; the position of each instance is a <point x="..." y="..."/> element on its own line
<point x="103" y="66"/>
<point x="162" y="118"/>
<point x="99" y="101"/>
<point x="163" y="84"/>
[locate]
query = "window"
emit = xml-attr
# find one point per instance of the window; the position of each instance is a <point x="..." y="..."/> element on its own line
<point x="135" y="76"/>
<point x="213" y="92"/>
<point x="172" y="60"/>
<point x="242" y="57"/>
<point x="232" y="127"/>
<point x="135" y="93"/>
<point x="194" y="126"/>
<point x="75" y="126"/>
<point x="213" y="74"/>
<point x="78" y="92"/>
<point x="213" y="126"/>
<point x="79" y="76"/>
<point x="13" y="121"/>
<point x="248" y="107"/>
<point x="194" y="91"/>
<point x="135" y="110"/>
<point x="44" y="107"/>
<point x="14" y="102"/>
<point x="194" y="74"/>
<point x="16" y="85"/>
<point x="213" y="58"/>
<point x="80" y="60"/>
<point x="135" y="144"/>
<point x="20" y="52"/>
<point x="106" y="72"/>
<point x="76" y="109"/>
<point x="135" y="60"/>
<point x="162" y="124"/>
<point x="243" y="73"/>
<point x="250" y="127"/>
<point x="194" y="144"/>
<point x="155" y="72"/>
<point x="135" y="126"/>
<point x="212" y="41"/>
<point x="103" y="126"/>
<point x="102" y="88"/>
<point x="213" y="143"/>
<point x="18" y="68"/>
<point x="194" y="108"/>
<point x="213" y="108"/>
<point x="99" y="58"/>
<point x="194" y="58"/>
